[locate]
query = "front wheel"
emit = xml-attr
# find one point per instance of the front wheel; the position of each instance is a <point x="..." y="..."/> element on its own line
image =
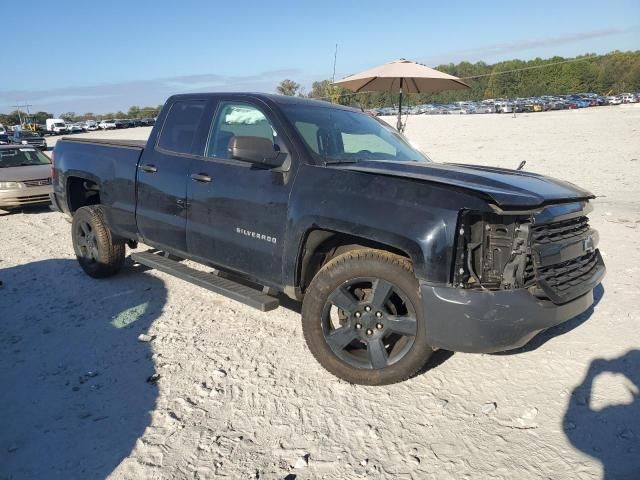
<point x="97" y="252"/>
<point x="363" y="320"/>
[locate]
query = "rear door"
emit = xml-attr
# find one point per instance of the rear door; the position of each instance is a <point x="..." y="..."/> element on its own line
<point x="161" y="212"/>
<point x="238" y="211"/>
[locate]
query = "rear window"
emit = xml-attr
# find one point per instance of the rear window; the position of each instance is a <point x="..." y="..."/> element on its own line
<point x="179" y="129"/>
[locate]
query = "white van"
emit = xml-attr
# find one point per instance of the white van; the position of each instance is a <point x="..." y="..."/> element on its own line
<point x="56" y="126"/>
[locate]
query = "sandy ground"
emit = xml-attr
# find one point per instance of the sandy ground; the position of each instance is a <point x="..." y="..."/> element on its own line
<point x="240" y="396"/>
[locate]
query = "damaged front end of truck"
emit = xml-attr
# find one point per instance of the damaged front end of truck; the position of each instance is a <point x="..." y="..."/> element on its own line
<point x="516" y="273"/>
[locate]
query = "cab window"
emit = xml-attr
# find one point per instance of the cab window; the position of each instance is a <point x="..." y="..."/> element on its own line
<point x="180" y="126"/>
<point x="238" y="119"/>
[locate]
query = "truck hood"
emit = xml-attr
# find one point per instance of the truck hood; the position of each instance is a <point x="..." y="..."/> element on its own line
<point x="507" y="188"/>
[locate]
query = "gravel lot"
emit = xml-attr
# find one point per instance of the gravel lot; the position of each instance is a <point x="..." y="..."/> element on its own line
<point x="240" y="396"/>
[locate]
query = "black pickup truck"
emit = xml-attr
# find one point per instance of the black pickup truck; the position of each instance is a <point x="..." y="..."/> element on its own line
<point x="392" y="256"/>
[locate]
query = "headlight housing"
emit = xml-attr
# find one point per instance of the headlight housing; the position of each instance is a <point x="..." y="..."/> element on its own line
<point x="492" y="251"/>
<point x="10" y="185"/>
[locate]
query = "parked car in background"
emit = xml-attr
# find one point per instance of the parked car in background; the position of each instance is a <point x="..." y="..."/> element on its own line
<point x="55" y="126"/>
<point x="90" y="126"/>
<point x="107" y="125"/>
<point x="3" y="131"/>
<point x="485" y="108"/>
<point x="629" y="98"/>
<point x="25" y="177"/>
<point x="4" y="139"/>
<point x="119" y="123"/>
<point x="74" y="128"/>
<point x="25" y="137"/>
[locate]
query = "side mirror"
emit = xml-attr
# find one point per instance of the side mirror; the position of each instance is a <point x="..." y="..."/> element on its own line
<point x="256" y="150"/>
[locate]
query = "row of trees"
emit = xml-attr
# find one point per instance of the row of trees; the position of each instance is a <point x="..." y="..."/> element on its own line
<point x="15" y="117"/>
<point x="614" y="72"/>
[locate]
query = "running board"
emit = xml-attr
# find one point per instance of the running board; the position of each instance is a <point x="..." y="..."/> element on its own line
<point x="223" y="286"/>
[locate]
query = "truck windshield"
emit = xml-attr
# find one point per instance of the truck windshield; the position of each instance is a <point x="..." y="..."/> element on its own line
<point x="335" y="135"/>
<point x="22" y="157"/>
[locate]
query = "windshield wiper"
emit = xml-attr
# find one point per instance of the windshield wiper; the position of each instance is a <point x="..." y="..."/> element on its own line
<point x="339" y="161"/>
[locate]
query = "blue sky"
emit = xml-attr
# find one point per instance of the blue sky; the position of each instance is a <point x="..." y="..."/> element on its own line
<point x="102" y="56"/>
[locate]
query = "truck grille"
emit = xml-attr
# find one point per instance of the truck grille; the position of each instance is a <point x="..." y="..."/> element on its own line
<point x="568" y="279"/>
<point x="553" y="232"/>
<point x="38" y="183"/>
<point x="561" y="277"/>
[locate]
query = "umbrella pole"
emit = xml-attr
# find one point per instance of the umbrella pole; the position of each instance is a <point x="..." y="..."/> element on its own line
<point x="399" y="124"/>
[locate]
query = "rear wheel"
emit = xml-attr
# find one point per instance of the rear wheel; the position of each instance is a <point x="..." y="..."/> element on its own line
<point x="97" y="252"/>
<point x="362" y="318"/>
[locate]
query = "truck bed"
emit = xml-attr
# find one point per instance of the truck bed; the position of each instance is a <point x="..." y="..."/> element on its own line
<point x="102" y="162"/>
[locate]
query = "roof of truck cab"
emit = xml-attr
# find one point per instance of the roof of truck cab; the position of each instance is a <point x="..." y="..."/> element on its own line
<point x="268" y="97"/>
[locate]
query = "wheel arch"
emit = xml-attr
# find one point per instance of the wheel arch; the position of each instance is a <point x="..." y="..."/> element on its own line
<point x="319" y="245"/>
<point x="81" y="192"/>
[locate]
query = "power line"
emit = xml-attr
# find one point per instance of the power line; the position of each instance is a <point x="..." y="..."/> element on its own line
<point x="18" y="107"/>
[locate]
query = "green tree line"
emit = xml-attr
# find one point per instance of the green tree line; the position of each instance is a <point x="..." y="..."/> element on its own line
<point x="615" y="72"/>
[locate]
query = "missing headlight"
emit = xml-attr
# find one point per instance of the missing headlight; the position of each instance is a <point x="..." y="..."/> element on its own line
<point x="492" y="251"/>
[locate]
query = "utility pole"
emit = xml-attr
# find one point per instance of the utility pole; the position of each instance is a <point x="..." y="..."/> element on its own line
<point x="335" y="58"/>
<point x="18" y="107"/>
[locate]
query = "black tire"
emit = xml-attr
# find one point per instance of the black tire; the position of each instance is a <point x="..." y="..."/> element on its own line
<point x="97" y="252"/>
<point x="382" y="299"/>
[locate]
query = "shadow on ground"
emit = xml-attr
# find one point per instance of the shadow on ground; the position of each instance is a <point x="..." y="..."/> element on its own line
<point x="28" y="210"/>
<point x="610" y="434"/>
<point x="74" y="396"/>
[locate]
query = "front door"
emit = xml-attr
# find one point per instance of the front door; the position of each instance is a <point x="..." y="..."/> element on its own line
<point x="161" y="212"/>
<point x="238" y="211"/>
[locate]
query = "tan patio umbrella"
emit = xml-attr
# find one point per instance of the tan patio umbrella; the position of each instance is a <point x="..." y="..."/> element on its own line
<point x="404" y="76"/>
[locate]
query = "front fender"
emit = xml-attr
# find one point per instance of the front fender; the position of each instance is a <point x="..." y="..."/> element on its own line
<point x="415" y="217"/>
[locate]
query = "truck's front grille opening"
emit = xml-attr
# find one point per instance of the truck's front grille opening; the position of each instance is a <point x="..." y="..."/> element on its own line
<point x="553" y="232"/>
<point x="569" y="278"/>
<point x="500" y="252"/>
<point x="564" y="276"/>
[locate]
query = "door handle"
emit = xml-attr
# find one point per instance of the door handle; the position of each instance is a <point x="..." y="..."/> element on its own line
<point x="201" y="177"/>
<point x="149" y="168"/>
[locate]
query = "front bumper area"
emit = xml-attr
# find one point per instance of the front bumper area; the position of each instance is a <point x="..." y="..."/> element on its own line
<point x="484" y="321"/>
<point x="25" y="196"/>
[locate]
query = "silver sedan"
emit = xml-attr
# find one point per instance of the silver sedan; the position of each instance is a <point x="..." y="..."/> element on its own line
<point x="25" y="176"/>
